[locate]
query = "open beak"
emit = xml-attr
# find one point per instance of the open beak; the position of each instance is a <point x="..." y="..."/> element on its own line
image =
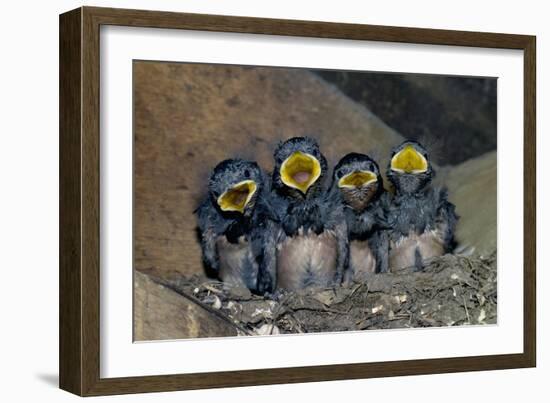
<point x="410" y="161"/>
<point x="238" y="196"/>
<point x="357" y="179"/>
<point x="300" y="171"/>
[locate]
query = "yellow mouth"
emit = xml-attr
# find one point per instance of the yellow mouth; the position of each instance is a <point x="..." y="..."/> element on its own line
<point x="238" y="196"/>
<point x="357" y="179"/>
<point x="300" y="171"/>
<point x="410" y="161"/>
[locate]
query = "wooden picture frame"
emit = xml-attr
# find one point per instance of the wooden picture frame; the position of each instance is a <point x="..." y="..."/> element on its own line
<point x="79" y="201"/>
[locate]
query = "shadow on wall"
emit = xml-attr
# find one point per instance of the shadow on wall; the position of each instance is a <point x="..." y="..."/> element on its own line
<point x="458" y="115"/>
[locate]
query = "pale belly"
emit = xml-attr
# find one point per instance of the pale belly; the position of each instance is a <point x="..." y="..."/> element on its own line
<point x="237" y="265"/>
<point x="307" y="260"/>
<point x="362" y="261"/>
<point x="403" y="253"/>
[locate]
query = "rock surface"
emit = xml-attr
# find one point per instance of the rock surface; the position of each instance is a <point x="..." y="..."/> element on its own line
<point x="473" y="188"/>
<point x="161" y="314"/>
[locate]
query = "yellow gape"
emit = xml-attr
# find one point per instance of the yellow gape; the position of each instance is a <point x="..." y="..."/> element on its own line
<point x="300" y="171"/>
<point x="356" y="179"/>
<point x="238" y="196"/>
<point x="410" y="161"/>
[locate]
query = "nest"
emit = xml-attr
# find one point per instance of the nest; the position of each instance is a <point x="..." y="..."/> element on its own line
<point x="452" y="290"/>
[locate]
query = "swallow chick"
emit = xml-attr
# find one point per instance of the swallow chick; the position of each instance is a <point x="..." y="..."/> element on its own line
<point x="310" y="235"/>
<point x="357" y="185"/>
<point x="421" y="218"/>
<point x="231" y="221"/>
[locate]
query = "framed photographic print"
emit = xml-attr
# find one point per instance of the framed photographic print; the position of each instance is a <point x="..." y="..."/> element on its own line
<point x="249" y="201"/>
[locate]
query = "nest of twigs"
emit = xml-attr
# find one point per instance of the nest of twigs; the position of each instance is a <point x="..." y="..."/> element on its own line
<point x="452" y="290"/>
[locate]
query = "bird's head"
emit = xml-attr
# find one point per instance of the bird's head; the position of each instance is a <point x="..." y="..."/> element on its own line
<point x="410" y="169"/>
<point x="358" y="180"/>
<point x="234" y="186"/>
<point x="299" y="167"/>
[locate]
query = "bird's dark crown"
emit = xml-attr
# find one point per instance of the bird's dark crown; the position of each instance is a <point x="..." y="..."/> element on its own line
<point x="304" y="144"/>
<point x="284" y="150"/>
<point x="410" y="182"/>
<point x="415" y="144"/>
<point x="355" y="161"/>
<point x="361" y="191"/>
<point x="231" y="172"/>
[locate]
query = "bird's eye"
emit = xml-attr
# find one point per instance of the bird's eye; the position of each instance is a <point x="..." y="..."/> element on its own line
<point x="246" y="173"/>
<point x="339" y="174"/>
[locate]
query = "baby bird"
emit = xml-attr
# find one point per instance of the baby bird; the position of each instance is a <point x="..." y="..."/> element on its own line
<point x="421" y="218"/>
<point x="358" y="186"/>
<point x="310" y="235"/>
<point x="232" y="220"/>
